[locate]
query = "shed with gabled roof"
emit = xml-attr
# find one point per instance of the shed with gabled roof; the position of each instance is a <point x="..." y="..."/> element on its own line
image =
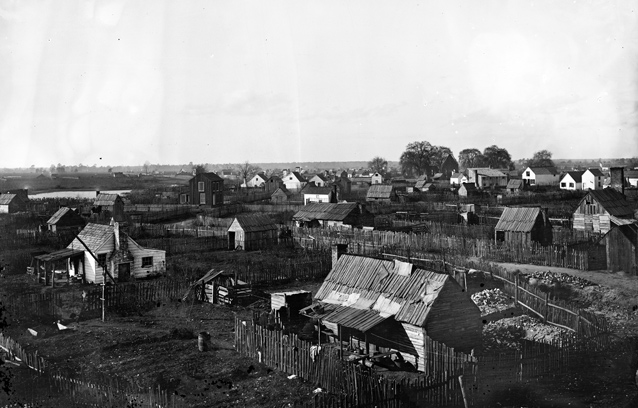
<point x="251" y="232"/>
<point x="621" y="244"/>
<point x="524" y="225"/>
<point x="109" y="206"/>
<point x="12" y="203"/>
<point x="328" y="214"/>
<point x="596" y="210"/>
<point x="394" y="305"/>
<point x="382" y="193"/>
<point x="65" y="219"/>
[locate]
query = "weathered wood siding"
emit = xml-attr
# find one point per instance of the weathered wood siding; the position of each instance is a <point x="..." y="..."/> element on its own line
<point x="622" y="253"/>
<point x="157" y="267"/>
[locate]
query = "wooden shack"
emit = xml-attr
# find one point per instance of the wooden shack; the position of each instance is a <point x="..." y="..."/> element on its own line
<point x="220" y="287"/>
<point x="288" y="304"/>
<point x="109" y="206"/>
<point x="65" y="219"/>
<point x="328" y="215"/>
<point x="524" y="225"/>
<point x="252" y="232"/>
<point x="599" y="210"/>
<point x="12" y="203"/>
<point x="390" y="305"/>
<point x="622" y="249"/>
<point x="468" y="190"/>
<point x="381" y="193"/>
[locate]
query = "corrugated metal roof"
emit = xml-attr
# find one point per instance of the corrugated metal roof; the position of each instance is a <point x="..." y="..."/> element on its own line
<point x="612" y="201"/>
<point x="325" y="211"/>
<point x="380" y="286"/>
<point x="105" y="199"/>
<point x="255" y="222"/>
<point x="520" y="219"/>
<point x="5" y="199"/>
<point x="379" y="191"/>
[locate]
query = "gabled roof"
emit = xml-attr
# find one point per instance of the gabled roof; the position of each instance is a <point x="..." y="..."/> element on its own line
<point x="612" y="201"/>
<point x="320" y="177"/>
<point x="381" y="288"/>
<point x="255" y="222"/>
<point x="5" y="199"/>
<point x="515" y="183"/>
<point x="298" y="176"/>
<point x="577" y="176"/>
<point x="281" y="190"/>
<point x="519" y="219"/>
<point x="105" y="199"/>
<point x="325" y="211"/>
<point x="595" y="172"/>
<point x="311" y="188"/>
<point x="379" y="191"/>
<point x="420" y="183"/>
<point x="58" y="215"/>
<point x="490" y="173"/>
<point x="469" y="186"/>
<point x="261" y="176"/>
<point x="544" y="170"/>
<point x="94" y="236"/>
<point x="211" y="176"/>
<point x="456" y="175"/>
<point x="59" y="255"/>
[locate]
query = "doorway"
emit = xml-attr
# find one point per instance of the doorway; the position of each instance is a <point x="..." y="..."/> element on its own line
<point x="231" y="240"/>
<point x="124" y="272"/>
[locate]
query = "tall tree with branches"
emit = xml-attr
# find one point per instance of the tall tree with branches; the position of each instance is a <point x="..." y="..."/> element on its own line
<point x="542" y="158"/>
<point x="247" y="171"/>
<point x="497" y="158"/>
<point x="416" y="158"/>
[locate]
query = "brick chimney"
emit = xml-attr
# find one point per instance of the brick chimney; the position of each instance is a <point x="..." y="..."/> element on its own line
<point x="618" y="179"/>
<point x="337" y="251"/>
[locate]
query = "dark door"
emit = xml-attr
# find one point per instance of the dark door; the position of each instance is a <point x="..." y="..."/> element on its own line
<point x="231" y="240"/>
<point x="124" y="272"/>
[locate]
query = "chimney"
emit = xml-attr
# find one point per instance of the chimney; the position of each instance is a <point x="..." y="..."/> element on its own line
<point x="116" y="234"/>
<point x="618" y="179"/>
<point x="337" y="251"/>
<point x="97" y="193"/>
<point x="335" y="194"/>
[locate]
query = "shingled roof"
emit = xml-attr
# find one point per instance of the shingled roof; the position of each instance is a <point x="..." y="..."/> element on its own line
<point x="612" y="201"/>
<point x="255" y="222"/>
<point x="5" y="199"/>
<point x="379" y="191"/>
<point x="544" y="170"/>
<point x="94" y="236"/>
<point x="58" y="215"/>
<point x="325" y="211"/>
<point x="105" y="199"/>
<point x="577" y="176"/>
<point x="379" y="289"/>
<point x="520" y="219"/>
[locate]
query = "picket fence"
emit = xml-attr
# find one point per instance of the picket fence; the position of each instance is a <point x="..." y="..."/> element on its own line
<point x="48" y="386"/>
<point x="281" y="272"/>
<point x="182" y="245"/>
<point x="375" y="242"/>
<point x="352" y="385"/>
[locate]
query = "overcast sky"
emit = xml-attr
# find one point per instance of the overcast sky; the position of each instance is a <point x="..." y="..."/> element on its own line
<point x="175" y="81"/>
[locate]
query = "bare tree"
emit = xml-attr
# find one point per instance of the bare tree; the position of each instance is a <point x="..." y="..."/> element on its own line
<point x="147" y="165"/>
<point x="247" y="171"/>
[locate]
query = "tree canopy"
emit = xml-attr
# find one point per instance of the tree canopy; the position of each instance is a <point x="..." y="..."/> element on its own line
<point x="378" y="165"/>
<point x="200" y="168"/>
<point x="471" y="158"/>
<point x="497" y="158"/>
<point x="542" y="158"/>
<point x="416" y="158"/>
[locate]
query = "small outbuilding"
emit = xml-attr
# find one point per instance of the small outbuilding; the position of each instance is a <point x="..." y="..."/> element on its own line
<point x="329" y="215"/>
<point x="65" y="219"/>
<point x="468" y="190"/>
<point x="288" y="304"/>
<point x="220" y="287"/>
<point x="524" y="225"/>
<point x="621" y="243"/>
<point x="109" y="206"/>
<point x="280" y="196"/>
<point x="252" y="232"/>
<point x="12" y="203"/>
<point x="381" y="193"/>
<point x="600" y="210"/>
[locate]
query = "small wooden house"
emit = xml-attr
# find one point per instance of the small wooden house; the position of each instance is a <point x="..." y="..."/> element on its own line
<point x="206" y="190"/>
<point x="319" y="180"/>
<point x="12" y="203"/>
<point x="572" y="180"/>
<point x="599" y="210"/>
<point x="288" y="304"/>
<point x="391" y="305"/>
<point x="468" y="190"/>
<point x="541" y="176"/>
<point x="65" y="219"/>
<point x="514" y="186"/>
<point x="252" y="232"/>
<point x="109" y="206"/>
<point x="280" y="196"/>
<point x="621" y="243"/>
<point x="381" y="193"/>
<point x="524" y="225"/>
<point x="273" y="183"/>
<point x="328" y="215"/>
<point x="315" y="194"/>
<point x="294" y="181"/>
<point x="123" y="257"/>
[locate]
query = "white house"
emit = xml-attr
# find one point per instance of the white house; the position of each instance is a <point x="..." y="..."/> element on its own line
<point x="123" y="257"/>
<point x="572" y="180"/>
<point x="593" y="179"/>
<point x="258" y="180"/>
<point x="456" y="179"/>
<point x="315" y="194"/>
<point x="377" y="178"/>
<point x="294" y="181"/>
<point x="541" y="176"/>
<point x="319" y="180"/>
<point x="632" y="177"/>
<point x="486" y="178"/>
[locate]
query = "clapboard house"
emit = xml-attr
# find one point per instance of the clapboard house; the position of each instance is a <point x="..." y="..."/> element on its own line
<point x="206" y="190"/>
<point x="108" y="206"/>
<point x="524" y="225"/>
<point x="252" y="232"/>
<point x="390" y="305"/>
<point x="65" y="219"/>
<point x="621" y="243"/>
<point x="599" y="210"/>
<point x="123" y="257"/>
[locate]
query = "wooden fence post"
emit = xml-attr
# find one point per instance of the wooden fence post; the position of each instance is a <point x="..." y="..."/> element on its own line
<point x="516" y="278"/>
<point x="546" y="311"/>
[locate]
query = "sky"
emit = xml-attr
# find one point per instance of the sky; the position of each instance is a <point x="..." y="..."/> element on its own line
<point x="116" y="82"/>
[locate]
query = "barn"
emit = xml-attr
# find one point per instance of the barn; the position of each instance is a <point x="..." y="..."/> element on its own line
<point x="599" y="210"/>
<point x="123" y="257"/>
<point x="524" y="225"/>
<point x="252" y="232"/>
<point x="621" y="243"/>
<point x="388" y="305"/>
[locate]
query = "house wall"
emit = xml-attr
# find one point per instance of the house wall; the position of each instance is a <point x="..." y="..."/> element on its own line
<point x="158" y="266"/>
<point x="211" y="189"/>
<point x="252" y="240"/>
<point x="292" y="183"/>
<point x="316" y="198"/>
<point x="547" y="179"/>
<point x="568" y="183"/>
<point x="377" y="178"/>
<point x="590" y="216"/>
<point x="4" y="209"/>
<point x="622" y="253"/>
<point x="591" y="182"/>
<point x="454" y="319"/>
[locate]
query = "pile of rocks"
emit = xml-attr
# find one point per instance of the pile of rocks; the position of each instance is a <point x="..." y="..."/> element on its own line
<point x="492" y="300"/>
<point x="552" y="278"/>
<point x="510" y="332"/>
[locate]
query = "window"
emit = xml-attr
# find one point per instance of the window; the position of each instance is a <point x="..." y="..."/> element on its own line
<point x="527" y="173"/>
<point x="147" y="261"/>
<point x="101" y="259"/>
<point x="571" y="184"/>
<point x="183" y="198"/>
<point x="200" y="186"/>
<point x="202" y="198"/>
<point x="563" y="184"/>
<point x="599" y="184"/>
